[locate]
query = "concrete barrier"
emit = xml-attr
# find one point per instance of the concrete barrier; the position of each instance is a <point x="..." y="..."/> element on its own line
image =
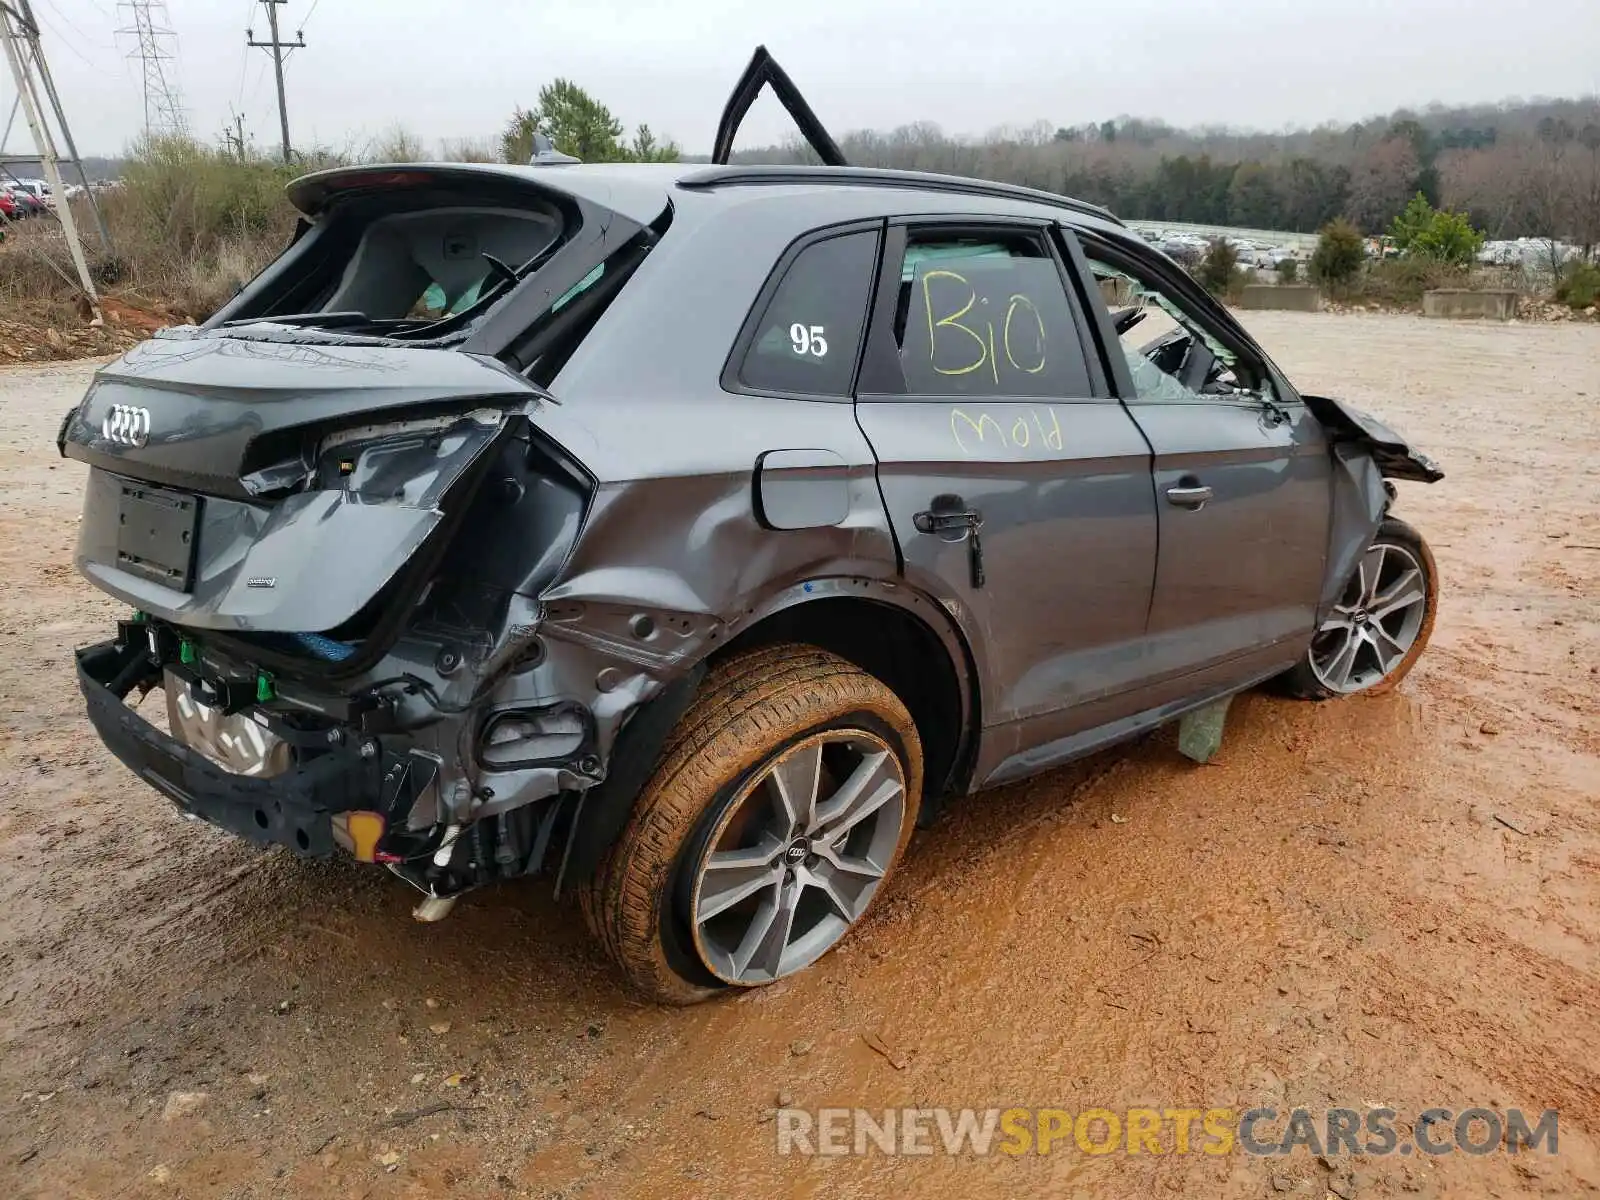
<point x="1116" y="293"/>
<point x="1285" y="297"/>
<point x="1463" y="302"/>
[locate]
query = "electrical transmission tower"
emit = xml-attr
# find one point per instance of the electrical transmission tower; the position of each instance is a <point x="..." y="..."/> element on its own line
<point x="277" y="46"/>
<point x="155" y="48"/>
<point x="37" y="97"/>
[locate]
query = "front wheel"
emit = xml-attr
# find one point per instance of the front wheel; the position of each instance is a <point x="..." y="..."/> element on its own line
<point x="780" y="804"/>
<point x="1376" y="632"/>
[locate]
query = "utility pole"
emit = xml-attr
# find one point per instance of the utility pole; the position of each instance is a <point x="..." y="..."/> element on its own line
<point x="233" y="136"/>
<point x="20" y="35"/>
<point x="153" y="39"/>
<point x="277" y="46"/>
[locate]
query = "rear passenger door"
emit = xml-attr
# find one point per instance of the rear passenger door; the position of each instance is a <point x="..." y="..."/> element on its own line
<point x="1018" y="487"/>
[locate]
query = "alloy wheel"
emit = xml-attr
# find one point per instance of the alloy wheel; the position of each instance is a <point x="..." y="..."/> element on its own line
<point x="1375" y="624"/>
<point x="798" y="856"/>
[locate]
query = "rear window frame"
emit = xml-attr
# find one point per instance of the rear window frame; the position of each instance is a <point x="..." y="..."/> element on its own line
<point x="590" y="235"/>
<point x="750" y="329"/>
<point x="883" y="376"/>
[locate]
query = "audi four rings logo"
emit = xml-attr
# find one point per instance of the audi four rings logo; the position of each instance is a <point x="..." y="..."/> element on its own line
<point x="126" y="425"/>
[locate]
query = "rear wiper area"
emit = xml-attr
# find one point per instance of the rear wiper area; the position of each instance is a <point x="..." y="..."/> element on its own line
<point x="503" y="270"/>
<point x="346" y="322"/>
<point x="323" y="320"/>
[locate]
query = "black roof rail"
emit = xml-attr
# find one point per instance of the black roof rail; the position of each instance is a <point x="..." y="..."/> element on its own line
<point x="713" y="177"/>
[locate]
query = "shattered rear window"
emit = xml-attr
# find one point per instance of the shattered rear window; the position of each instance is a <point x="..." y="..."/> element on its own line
<point x="425" y="266"/>
<point x="409" y="273"/>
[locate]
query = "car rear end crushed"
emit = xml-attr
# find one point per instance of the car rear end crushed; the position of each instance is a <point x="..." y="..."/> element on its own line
<point x="333" y="510"/>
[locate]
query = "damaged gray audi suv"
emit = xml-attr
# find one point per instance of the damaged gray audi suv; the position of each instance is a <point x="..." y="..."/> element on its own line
<point x="689" y="533"/>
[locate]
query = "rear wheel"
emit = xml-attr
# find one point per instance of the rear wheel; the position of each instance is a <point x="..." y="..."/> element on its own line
<point x="1376" y="632"/>
<point x="781" y="802"/>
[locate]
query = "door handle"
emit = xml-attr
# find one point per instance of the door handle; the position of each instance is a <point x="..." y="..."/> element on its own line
<point x="1190" y="497"/>
<point x="945" y="520"/>
<point x="949" y="515"/>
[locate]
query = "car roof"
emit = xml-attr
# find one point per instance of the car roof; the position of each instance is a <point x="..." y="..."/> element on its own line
<point x="640" y="191"/>
<point x="710" y="178"/>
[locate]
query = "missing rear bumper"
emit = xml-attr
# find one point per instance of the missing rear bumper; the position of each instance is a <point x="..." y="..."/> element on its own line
<point x="298" y="808"/>
<point x="342" y="777"/>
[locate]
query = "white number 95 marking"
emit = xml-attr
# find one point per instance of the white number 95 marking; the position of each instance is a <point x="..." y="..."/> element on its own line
<point x="808" y="339"/>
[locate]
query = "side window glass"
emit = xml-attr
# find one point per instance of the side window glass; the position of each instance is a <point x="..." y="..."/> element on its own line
<point x="987" y="316"/>
<point x="808" y="336"/>
<point x="1171" y="354"/>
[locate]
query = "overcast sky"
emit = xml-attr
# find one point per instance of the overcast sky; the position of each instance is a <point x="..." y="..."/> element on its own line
<point x="456" y="68"/>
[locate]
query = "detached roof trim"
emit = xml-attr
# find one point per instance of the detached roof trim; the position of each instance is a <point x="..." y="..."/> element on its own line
<point x="735" y="176"/>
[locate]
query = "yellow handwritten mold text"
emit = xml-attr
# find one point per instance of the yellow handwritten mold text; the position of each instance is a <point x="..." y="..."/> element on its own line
<point x="1035" y="427"/>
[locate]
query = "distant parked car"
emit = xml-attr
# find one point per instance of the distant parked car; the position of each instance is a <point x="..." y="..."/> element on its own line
<point x="1185" y="248"/>
<point x="23" y="203"/>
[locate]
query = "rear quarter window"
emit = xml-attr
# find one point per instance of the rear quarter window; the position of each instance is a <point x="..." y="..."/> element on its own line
<point x="808" y="335"/>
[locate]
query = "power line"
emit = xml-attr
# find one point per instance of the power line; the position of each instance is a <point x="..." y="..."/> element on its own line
<point x="155" y="48"/>
<point x="66" y="41"/>
<point x="73" y="25"/>
<point x="255" y="88"/>
<point x="244" y="57"/>
<point x="276" y="46"/>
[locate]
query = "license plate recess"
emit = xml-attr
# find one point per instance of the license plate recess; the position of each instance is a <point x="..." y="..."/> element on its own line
<point x="156" y="534"/>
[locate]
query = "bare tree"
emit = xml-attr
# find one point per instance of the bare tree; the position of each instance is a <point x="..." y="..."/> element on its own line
<point x="1585" y="186"/>
<point x="1381" y="181"/>
<point x="1547" y="179"/>
<point x="396" y="144"/>
<point x="1490" y="159"/>
<point x="1489" y="184"/>
<point x="469" y="150"/>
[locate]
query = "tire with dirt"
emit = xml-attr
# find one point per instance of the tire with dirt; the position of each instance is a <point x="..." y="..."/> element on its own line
<point x="1379" y="627"/>
<point x="779" y="806"/>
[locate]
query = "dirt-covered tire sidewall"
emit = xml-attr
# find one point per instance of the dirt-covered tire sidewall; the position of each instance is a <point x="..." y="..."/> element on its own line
<point x="749" y="710"/>
<point x="1302" y="681"/>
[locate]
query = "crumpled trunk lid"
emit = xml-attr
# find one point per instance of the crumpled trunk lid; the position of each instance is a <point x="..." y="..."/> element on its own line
<point x="258" y="487"/>
<point x="203" y="411"/>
